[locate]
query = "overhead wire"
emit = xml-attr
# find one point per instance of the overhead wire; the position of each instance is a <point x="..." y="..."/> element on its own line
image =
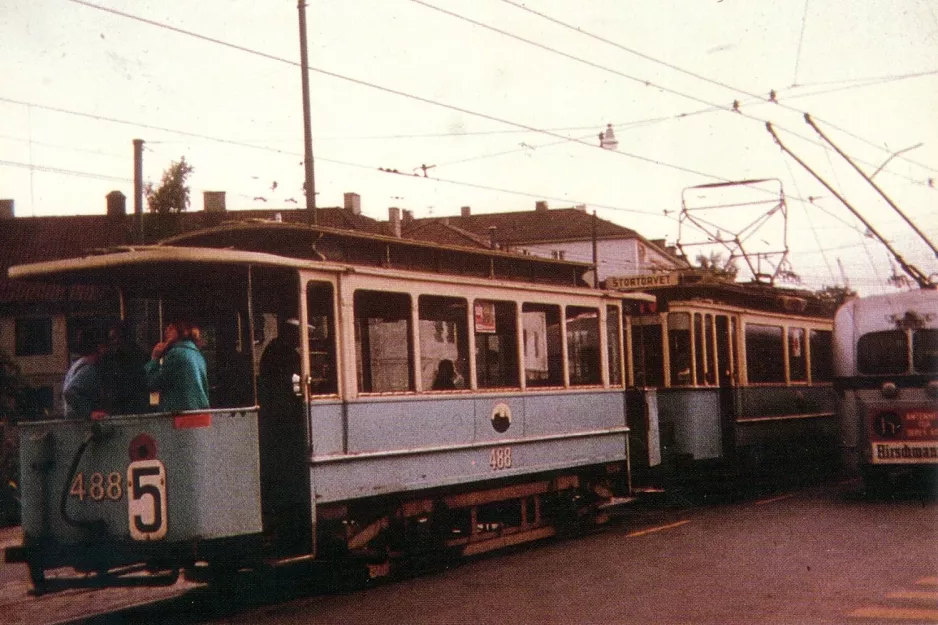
<point x="382" y="88"/>
<point x="652" y="59"/>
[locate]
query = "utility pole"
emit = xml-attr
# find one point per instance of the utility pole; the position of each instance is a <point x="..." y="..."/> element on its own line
<point x="310" y="182"/>
<point x="138" y="191"/>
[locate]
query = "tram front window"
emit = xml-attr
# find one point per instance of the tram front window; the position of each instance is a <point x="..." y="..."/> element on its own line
<point x="883" y="353"/>
<point x="647" y="354"/>
<point x="925" y="351"/>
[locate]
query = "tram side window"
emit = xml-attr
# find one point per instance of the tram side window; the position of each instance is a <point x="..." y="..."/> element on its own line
<point x="543" y="351"/>
<point x="797" y="356"/>
<point x="700" y="349"/>
<point x="321" y="332"/>
<point x="613" y="334"/>
<point x="583" y="356"/>
<point x="883" y="353"/>
<point x="647" y="355"/>
<point x="383" y="350"/>
<point x="679" y="348"/>
<point x="711" y="352"/>
<point x="925" y="351"/>
<point x="496" y="344"/>
<point x="765" y="360"/>
<point x="444" y="342"/>
<point x="822" y="355"/>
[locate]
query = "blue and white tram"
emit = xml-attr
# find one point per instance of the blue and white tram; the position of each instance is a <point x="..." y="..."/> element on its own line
<point x="367" y="451"/>
<point x="886" y="362"/>
<point x="729" y="376"/>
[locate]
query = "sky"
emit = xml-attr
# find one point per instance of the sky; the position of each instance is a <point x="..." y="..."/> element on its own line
<point x="502" y="101"/>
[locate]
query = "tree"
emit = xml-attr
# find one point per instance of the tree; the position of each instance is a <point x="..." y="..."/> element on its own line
<point x="835" y="295"/>
<point x="172" y="196"/>
<point x="715" y="265"/>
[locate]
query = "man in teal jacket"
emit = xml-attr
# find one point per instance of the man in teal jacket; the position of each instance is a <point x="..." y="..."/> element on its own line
<point x="177" y="370"/>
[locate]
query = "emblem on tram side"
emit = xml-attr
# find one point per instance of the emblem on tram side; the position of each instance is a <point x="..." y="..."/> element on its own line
<point x="501" y="417"/>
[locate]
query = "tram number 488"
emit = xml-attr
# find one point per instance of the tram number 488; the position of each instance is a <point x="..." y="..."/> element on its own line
<point x="146" y="500"/>
<point x="500" y="458"/>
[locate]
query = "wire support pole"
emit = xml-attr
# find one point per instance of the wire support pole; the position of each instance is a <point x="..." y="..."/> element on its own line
<point x="310" y="182"/>
<point x="912" y="271"/>
<point x="882" y="193"/>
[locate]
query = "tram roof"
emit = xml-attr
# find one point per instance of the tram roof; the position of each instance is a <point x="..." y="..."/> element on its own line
<point x="276" y="244"/>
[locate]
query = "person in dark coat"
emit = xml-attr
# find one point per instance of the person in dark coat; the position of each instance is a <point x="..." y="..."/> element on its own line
<point x="123" y="373"/>
<point x="177" y="369"/>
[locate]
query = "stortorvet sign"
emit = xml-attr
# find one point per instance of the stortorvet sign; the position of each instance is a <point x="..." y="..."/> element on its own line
<point x="647" y="281"/>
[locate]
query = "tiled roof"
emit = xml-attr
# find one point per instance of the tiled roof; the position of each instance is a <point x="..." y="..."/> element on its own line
<point x="529" y="227"/>
<point x="444" y="233"/>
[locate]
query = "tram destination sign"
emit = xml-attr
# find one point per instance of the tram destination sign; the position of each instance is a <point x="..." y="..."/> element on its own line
<point x="642" y="281"/>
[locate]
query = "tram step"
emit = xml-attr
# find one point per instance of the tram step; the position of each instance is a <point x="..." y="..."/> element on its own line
<point x="615" y="502"/>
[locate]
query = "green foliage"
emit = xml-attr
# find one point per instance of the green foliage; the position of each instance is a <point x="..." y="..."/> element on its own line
<point x="172" y="196"/>
<point x="714" y="264"/>
<point x="835" y="295"/>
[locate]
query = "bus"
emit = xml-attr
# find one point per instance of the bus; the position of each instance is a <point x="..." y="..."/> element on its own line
<point x="886" y="364"/>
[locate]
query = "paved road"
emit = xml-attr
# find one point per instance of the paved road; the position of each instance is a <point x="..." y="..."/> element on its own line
<point x="819" y="555"/>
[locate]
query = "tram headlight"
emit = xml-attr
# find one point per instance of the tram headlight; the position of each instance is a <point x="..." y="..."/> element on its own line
<point x="931" y="389"/>
<point x="889" y="390"/>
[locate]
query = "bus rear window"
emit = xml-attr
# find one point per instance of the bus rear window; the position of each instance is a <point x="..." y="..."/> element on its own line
<point x="925" y="351"/>
<point x="881" y="353"/>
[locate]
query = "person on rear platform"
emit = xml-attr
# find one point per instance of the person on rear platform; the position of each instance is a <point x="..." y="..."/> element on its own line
<point x="177" y="369"/>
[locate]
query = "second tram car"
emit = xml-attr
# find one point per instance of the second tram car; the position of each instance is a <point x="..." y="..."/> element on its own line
<point x="372" y="399"/>
<point x="886" y="360"/>
<point x="729" y="375"/>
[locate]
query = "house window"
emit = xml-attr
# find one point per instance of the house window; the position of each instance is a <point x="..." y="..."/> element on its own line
<point x="34" y="336"/>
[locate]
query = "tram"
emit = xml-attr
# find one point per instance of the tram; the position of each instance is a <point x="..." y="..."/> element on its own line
<point x="729" y="376"/>
<point x="442" y="400"/>
<point x="886" y="362"/>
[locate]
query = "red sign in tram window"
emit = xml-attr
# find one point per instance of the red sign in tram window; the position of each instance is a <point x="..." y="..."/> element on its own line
<point x="188" y="421"/>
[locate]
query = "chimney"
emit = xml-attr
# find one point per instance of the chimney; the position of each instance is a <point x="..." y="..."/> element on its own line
<point x="492" y="242"/>
<point x="353" y="203"/>
<point x="213" y="201"/>
<point x="408" y="216"/>
<point x="540" y="206"/>
<point x="6" y="209"/>
<point x="465" y="212"/>
<point x="394" y="216"/>
<point x="116" y="204"/>
<point x="581" y="208"/>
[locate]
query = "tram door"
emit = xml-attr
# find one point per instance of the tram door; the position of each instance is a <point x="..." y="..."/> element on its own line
<point x="281" y="418"/>
<point x="726" y="380"/>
